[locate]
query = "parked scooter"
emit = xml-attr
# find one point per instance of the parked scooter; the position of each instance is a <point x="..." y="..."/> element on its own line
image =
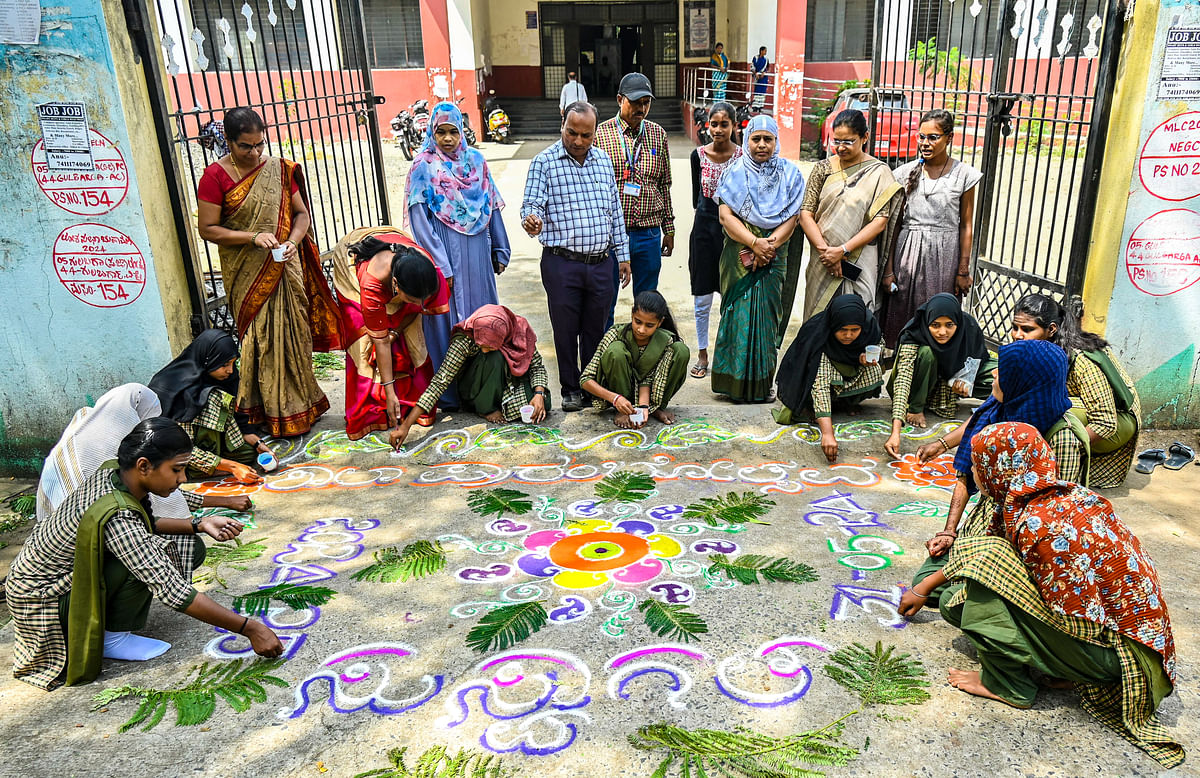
<point x="700" y="117"/>
<point x="497" y="122"/>
<point x="468" y="131"/>
<point x="408" y="127"/>
<point x="747" y="112"/>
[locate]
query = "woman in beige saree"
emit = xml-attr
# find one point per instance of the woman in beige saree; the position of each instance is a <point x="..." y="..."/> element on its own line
<point x="847" y="215"/>
<point x="255" y="209"/>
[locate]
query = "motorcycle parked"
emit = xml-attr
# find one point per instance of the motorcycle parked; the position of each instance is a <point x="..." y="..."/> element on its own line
<point x="401" y="130"/>
<point x="497" y="122"/>
<point x="700" y="118"/>
<point x="408" y="127"/>
<point x="468" y="131"/>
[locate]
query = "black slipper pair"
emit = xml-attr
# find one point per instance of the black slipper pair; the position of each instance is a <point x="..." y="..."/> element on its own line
<point x="1174" y="458"/>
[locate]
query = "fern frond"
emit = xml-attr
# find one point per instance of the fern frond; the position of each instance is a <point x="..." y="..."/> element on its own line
<point x="503" y="627"/>
<point x="732" y="508"/>
<point x="239" y="684"/>
<point x="675" y="622"/>
<point x="624" y="486"/>
<point x="747" y="567"/>
<point x="222" y="555"/>
<point x="744" y="753"/>
<point x="24" y="504"/>
<point x="499" y="502"/>
<point x="295" y="596"/>
<point x="436" y="763"/>
<point x="878" y="676"/>
<point x="416" y="560"/>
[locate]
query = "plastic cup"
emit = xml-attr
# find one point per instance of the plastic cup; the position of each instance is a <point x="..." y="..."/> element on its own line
<point x="873" y="353"/>
<point x="638" y="416"/>
<point x="527" y="412"/>
<point x="277" y="254"/>
<point x="266" y="460"/>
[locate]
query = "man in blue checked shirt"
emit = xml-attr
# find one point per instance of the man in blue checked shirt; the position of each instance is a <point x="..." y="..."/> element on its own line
<point x="572" y="206"/>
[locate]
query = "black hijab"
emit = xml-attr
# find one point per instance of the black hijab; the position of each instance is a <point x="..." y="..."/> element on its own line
<point x="967" y="341"/>
<point x="183" y="385"/>
<point x="816" y="337"/>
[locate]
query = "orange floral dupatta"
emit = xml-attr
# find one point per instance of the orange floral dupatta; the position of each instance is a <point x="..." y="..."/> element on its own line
<point x="261" y="202"/>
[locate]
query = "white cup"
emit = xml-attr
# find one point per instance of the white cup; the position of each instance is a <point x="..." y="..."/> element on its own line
<point x="277" y="254"/>
<point x="266" y="460"/>
<point x="638" y="416"/>
<point x="527" y="412"/>
<point x="873" y="353"/>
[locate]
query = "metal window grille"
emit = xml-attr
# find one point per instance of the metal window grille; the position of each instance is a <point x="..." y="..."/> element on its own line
<point x="841" y="30"/>
<point x="394" y="33"/>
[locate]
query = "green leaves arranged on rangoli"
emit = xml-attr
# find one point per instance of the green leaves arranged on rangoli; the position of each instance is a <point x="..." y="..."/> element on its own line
<point x="416" y="560"/>
<point x="674" y="622"/>
<point x="506" y="626"/>
<point x="731" y="508"/>
<point x="239" y="684"/>
<point x="436" y="763"/>
<point x="498" y="502"/>
<point x="624" y="486"/>
<point x="744" y="753"/>
<point x="748" y="567"/>
<point x="295" y="596"/>
<point x="232" y="555"/>
<point x="878" y="676"/>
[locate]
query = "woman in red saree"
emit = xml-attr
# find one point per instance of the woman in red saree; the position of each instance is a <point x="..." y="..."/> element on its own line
<point x="386" y="284"/>
<point x="252" y="206"/>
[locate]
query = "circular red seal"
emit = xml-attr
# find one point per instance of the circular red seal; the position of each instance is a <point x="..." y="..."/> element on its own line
<point x="81" y="192"/>
<point x="1169" y="166"/>
<point x="1163" y="253"/>
<point x="99" y="265"/>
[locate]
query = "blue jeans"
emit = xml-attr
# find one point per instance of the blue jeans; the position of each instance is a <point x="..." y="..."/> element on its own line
<point x="645" y="259"/>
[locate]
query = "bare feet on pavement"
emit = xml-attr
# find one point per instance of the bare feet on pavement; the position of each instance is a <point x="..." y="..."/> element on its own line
<point x="663" y="415"/>
<point x="968" y="681"/>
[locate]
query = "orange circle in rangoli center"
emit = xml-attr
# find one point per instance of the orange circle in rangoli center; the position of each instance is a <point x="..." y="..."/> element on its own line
<point x="594" y="552"/>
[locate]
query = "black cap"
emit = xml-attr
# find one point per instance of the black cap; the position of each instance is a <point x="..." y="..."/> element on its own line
<point x="635" y="86"/>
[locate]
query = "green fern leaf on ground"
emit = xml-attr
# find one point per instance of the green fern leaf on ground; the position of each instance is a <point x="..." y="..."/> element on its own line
<point x="878" y="676"/>
<point x="24" y="504"/>
<point x="624" y="486"/>
<point x="675" y="622"/>
<point x="295" y="596"/>
<point x="744" y="753"/>
<point x="732" y="508"/>
<point x="416" y="560"/>
<point x="231" y="555"/>
<point x="499" y="502"/>
<point x="436" y="763"/>
<point x="748" y="567"/>
<point x="506" y="626"/>
<point x="240" y="684"/>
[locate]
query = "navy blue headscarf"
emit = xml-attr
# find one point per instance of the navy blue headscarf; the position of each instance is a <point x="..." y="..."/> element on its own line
<point x="1033" y="380"/>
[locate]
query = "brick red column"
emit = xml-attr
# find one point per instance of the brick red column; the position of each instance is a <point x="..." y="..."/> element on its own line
<point x="789" y="74"/>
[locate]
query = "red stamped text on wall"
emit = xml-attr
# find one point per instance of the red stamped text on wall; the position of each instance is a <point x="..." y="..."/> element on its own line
<point x="1163" y="253"/>
<point x="82" y="192"/>
<point x="99" y="265"/>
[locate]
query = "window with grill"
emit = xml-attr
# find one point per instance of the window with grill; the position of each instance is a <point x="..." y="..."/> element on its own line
<point x="282" y="45"/>
<point x="840" y="30"/>
<point x="394" y="33"/>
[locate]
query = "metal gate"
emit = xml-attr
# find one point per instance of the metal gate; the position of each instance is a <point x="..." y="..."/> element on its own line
<point x="1030" y="84"/>
<point x="303" y="66"/>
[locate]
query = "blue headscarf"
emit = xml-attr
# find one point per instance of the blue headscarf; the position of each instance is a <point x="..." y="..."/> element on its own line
<point x="1033" y="380"/>
<point x="457" y="188"/>
<point x="764" y="194"/>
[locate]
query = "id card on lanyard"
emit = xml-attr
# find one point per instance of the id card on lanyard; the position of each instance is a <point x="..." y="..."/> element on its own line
<point x="631" y="187"/>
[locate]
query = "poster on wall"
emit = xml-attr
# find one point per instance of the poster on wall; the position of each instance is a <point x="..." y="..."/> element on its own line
<point x="20" y="22"/>
<point x="1180" y="77"/>
<point x="699" y="27"/>
<point x="65" y="136"/>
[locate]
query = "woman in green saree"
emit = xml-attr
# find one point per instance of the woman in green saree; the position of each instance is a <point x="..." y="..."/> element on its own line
<point x="847" y="216"/>
<point x="759" y="197"/>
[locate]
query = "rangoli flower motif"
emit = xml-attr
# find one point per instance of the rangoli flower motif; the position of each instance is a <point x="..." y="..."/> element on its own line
<point x="594" y="552"/>
<point x="937" y="472"/>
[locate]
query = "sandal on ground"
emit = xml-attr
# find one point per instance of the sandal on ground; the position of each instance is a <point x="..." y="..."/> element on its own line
<point x="1150" y="459"/>
<point x="1178" y="455"/>
<point x="699" y="370"/>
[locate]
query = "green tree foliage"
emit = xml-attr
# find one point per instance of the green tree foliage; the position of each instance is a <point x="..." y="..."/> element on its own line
<point x="744" y="753"/>
<point x="878" y="676"/>
<point x="624" y="486"/>
<point x="416" y="560"/>
<point x="295" y="596"/>
<point x="499" y="502"/>
<point x="507" y="626"/>
<point x="748" y="567"/>
<point x="731" y="508"/>
<point x="240" y="686"/>
<point x="674" y="622"/>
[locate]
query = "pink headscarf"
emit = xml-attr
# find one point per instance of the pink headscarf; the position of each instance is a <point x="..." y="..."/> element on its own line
<point x="496" y="327"/>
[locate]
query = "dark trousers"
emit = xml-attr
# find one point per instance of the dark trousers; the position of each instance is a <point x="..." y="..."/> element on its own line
<point x="645" y="261"/>
<point x="579" y="298"/>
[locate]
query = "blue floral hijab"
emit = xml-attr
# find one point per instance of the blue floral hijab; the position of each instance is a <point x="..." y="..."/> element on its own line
<point x="1033" y="379"/>
<point x="457" y="188"/>
<point x="764" y="194"/>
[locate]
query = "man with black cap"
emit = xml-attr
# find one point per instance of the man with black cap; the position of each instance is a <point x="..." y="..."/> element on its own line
<point x="572" y="92"/>
<point x="642" y="167"/>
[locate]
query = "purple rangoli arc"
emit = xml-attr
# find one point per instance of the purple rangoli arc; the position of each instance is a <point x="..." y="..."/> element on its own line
<point x="368" y="652"/>
<point x="632" y="655"/>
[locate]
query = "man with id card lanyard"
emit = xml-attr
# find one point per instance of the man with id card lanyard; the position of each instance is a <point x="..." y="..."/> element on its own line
<point x="642" y="167"/>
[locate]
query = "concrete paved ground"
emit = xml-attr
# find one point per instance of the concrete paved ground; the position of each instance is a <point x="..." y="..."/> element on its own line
<point x="384" y="665"/>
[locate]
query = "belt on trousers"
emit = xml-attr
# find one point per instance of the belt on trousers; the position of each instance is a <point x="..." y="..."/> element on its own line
<point x="575" y="256"/>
